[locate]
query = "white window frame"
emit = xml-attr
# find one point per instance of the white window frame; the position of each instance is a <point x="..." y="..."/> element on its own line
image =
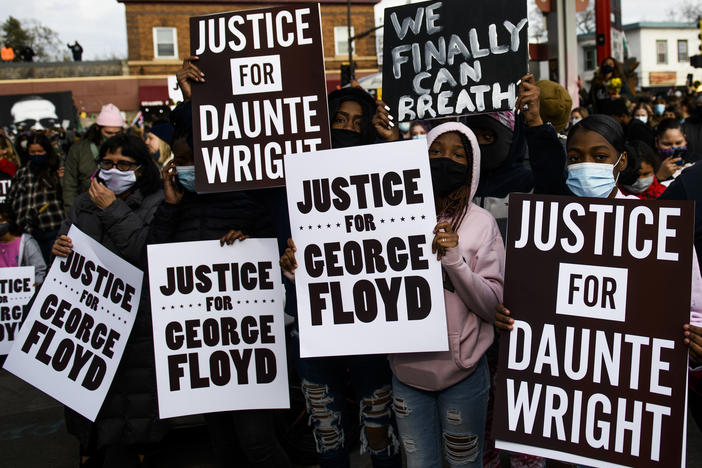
<point x="662" y="41"/>
<point x="343" y="30"/>
<point x="174" y="33"/>
<point x="687" y="51"/>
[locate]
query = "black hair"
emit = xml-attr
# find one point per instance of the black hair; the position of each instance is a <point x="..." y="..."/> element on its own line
<point x="93" y="134"/>
<point x="134" y="147"/>
<point x="8" y="214"/>
<point x="668" y="124"/>
<point x="182" y="120"/>
<point x="614" y="107"/>
<point x="368" y="107"/>
<point x="46" y="172"/>
<point x="637" y="152"/>
<point x="606" y="126"/>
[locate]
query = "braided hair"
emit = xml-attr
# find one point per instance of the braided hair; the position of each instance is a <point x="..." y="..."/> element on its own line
<point x="455" y="205"/>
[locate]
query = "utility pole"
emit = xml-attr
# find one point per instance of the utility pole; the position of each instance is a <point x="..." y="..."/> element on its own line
<point x="603" y="28"/>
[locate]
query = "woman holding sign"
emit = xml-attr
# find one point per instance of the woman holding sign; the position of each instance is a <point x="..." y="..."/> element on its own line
<point x="117" y="211"/>
<point x="440" y="399"/>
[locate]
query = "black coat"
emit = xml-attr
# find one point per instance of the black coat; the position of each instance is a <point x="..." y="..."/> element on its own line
<point x="210" y="216"/>
<point x="129" y="414"/>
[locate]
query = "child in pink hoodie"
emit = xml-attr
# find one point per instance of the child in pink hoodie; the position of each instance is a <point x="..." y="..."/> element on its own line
<point x="440" y="399"/>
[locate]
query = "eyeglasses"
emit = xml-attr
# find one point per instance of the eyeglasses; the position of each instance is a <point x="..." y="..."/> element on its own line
<point x="108" y="164"/>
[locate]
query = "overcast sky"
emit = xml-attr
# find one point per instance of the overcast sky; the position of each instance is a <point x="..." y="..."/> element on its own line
<point x="99" y="25"/>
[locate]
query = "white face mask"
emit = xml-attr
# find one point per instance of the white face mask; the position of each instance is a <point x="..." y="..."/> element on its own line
<point x="574" y="121"/>
<point x="118" y="181"/>
<point x="643" y="118"/>
<point x="641" y="185"/>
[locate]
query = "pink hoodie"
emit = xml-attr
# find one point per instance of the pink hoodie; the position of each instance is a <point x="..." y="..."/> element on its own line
<point x="476" y="270"/>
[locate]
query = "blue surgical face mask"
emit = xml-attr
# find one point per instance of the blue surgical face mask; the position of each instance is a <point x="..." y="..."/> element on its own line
<point x="186" y="177"/>
<point x="659" y="109"/>
<point x="592" y="179"/>
<point x="422" y="136"/>
<point x="404" y="127"/>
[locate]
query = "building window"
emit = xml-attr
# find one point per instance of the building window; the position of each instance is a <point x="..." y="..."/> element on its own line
<point x="165" y="43"/>
<point x="341" y="40"/>
<point x="682" y="50"/>
<point x="590" y="58"/>
<point x="662" y="52"/>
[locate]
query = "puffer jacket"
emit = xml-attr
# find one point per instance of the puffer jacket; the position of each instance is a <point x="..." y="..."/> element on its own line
<point x="475" y="271"/>
<point x="209" y="216"/>
<point x="129" y="414"/>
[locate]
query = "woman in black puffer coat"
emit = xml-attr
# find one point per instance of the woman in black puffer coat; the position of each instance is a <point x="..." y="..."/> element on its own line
<point x="117" y="211"/>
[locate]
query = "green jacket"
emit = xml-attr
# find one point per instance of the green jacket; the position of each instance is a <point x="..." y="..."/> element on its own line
<point x="80" y="164"/>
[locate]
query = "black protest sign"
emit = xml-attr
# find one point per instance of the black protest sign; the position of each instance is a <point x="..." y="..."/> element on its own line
<point x="264" y="95"/>
<point x="453" y="57"/>
<point x="219" y="333"/>
<point x="16" y="290"/>
<point x="362" y="222"/>
<point x="73" y="338"/>
<point x="37" y="111"/>
<point x="594" y="371"/>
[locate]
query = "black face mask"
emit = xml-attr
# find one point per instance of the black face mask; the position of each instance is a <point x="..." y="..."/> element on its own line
<point x="344" y="138"/>
<point x="492" y="156"/>
<point x="606" y="69"/>
<point x="447" y="175"/>
<point x="4" y="229"/>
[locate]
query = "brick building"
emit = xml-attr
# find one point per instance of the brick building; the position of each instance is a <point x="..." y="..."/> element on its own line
<point x="159" y="38"/>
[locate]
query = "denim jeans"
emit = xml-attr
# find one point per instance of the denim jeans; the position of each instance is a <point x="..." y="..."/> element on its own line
<point x="323" y="384"/>
<point x="452" y="419"/>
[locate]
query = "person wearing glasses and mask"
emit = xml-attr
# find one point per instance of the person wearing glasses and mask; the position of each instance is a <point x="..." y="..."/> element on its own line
<point x="117" y="211"/>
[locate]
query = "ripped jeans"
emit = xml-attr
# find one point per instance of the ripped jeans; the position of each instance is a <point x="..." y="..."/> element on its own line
<point x="452" y="419"/>
<point x="323" y="383"/>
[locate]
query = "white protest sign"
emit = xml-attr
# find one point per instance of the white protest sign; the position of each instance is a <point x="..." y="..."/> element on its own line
<point x="219" y="333"/>
<point x="362" y="221"/>
<point x="16" y="290"/>
<point x="75" y="333"/>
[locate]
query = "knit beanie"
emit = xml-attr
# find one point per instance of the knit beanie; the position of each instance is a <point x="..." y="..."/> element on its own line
<point x="164" y="131"/>
<point x="555" y="104"/>
<point x="110" y="116"/>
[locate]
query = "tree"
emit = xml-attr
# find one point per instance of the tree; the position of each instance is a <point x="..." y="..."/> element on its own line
<point x="586" y="20"/>
<point x="687" y="11"/>
<point x="13" y="34"/>
<point x="44" y="41"/>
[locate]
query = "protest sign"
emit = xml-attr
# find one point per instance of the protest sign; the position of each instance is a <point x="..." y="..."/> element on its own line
<point x="594" y="371"/>
<point x="264" y="95"/>
<point x="5" y="183"/>
<point x="453" y="57"/>
<point x="16" y="290"/>
<point x="362" y="222"/>
<point x="73" y="338"/>
<point x="219" y="333"/>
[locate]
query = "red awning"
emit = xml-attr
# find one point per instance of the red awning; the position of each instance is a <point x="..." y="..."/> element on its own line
<point x="153" y="95"/>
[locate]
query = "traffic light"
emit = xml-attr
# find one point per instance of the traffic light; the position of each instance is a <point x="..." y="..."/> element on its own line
<point x="696" y="60"/>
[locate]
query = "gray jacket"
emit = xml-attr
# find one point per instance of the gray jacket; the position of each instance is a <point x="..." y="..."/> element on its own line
<point x="30" y="255"/>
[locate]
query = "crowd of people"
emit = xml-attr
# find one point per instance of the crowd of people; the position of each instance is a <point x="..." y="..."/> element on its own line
<point x="126" y="189"/>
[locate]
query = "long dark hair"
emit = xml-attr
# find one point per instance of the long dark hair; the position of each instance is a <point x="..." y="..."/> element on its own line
<point x="606" y="126"/>
<point x="455" y="204"/>
<point x="8" y="214"/>
<point x="93" y="134"/>
<point x="47" y="172"/>
<point x="130" y="145"/>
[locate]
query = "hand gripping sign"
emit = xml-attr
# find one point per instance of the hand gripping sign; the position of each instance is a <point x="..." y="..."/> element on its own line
<point x="362" y="221"/>
<point x="219" y="334"/>
<point x="594" y="371"/>
<point x="75" y="334"/>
